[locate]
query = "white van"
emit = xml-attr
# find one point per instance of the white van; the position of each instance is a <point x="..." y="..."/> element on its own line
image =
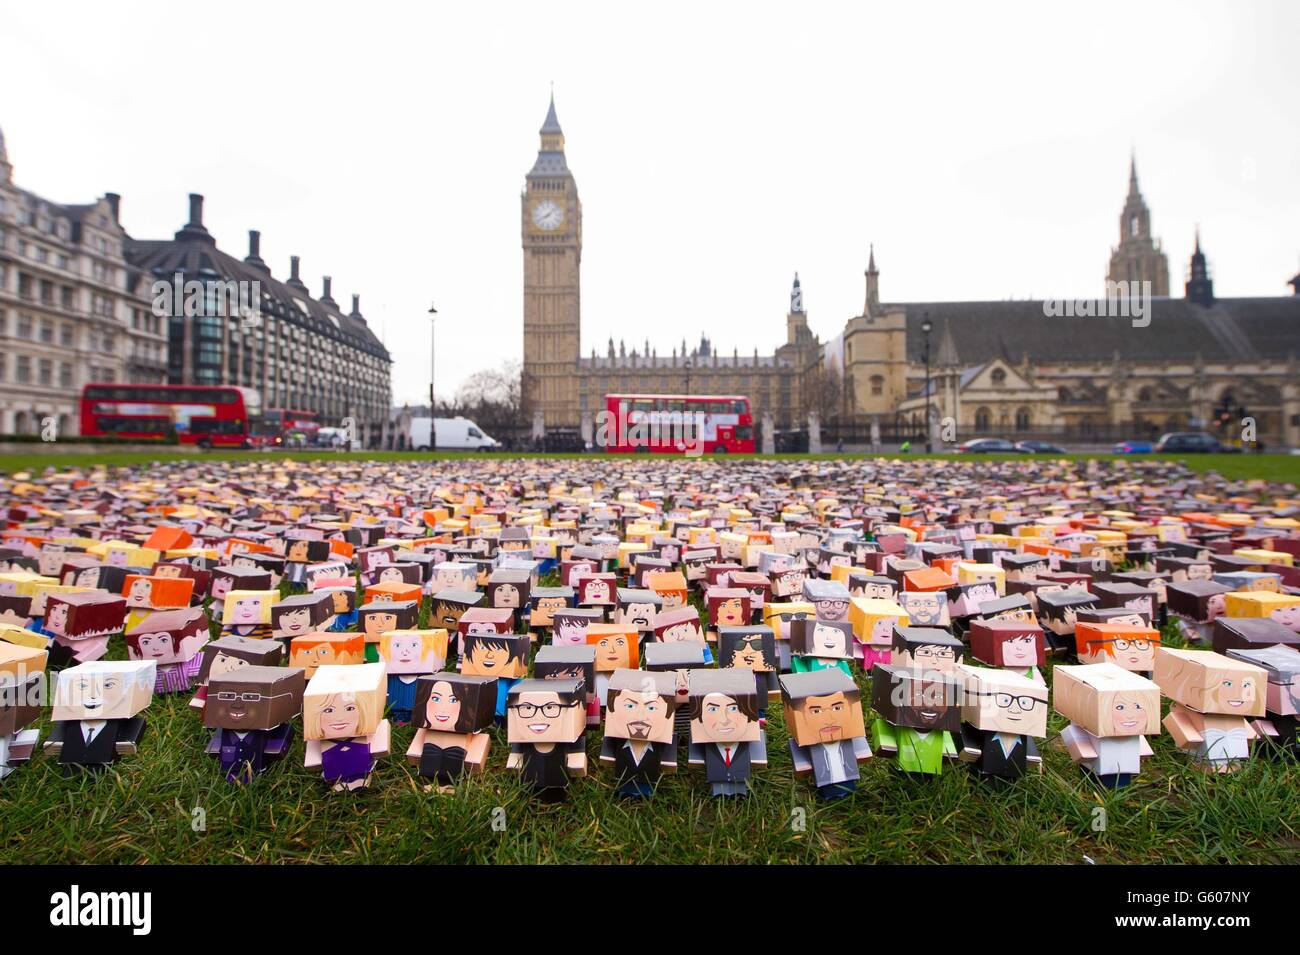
<point x="453" y="434"/>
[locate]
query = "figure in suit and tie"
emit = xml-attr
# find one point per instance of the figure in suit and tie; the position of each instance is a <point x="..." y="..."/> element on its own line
<point x="726" y="738"/>
<point x="1001" y="712"/>
<point x="828" y="732"/>
<point x="639" y="733"/>
<point x="96" y="713"/>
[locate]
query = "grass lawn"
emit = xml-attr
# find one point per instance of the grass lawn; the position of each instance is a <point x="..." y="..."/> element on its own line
<point x="149" y="808"/>
<point x="145" y="811"/>
<point x="1267" y="467"/>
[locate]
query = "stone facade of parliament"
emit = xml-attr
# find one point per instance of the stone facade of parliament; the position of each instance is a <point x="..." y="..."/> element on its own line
<point x="1000" y="368"/>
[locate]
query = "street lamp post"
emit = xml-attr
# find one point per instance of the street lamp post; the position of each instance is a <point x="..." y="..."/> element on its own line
<point x="433" y="404"/>
<point x="926" y="327"/>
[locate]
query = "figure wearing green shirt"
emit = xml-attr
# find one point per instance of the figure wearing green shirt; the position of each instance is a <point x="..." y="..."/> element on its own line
<point x="813" y="664"/>
<point x="919" y="713"/>
<point x="917" y="751"/>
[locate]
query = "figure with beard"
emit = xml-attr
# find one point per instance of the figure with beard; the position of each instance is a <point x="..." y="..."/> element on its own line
<point x="639" y="739"/>
<point x="918" y="716"/>
<point x="828" y="732"/>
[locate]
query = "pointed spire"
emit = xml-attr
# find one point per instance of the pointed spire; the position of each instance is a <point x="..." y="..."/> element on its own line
<point x="1199" y="287"/>
<point x="796" y="297"/>
<point x="1133" y="189"/>
<point x="871" y="260"/>
<point x="872" y="305"/>
<point x="552" y="123"/>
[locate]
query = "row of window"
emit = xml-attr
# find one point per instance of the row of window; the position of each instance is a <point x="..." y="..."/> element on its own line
<point x="26" y="370"/>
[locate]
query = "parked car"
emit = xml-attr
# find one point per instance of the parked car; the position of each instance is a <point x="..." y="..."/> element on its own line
<point x="1132" y="447"/>
<point x="1039" y="447"/>
<point x="1193" y="442"/>
<point x="987" y="446"/>
<point x="452" y="434"/>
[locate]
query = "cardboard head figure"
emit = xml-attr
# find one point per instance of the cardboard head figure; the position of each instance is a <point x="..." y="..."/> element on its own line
<point x="1130" y="647"/>
<point x="254" y="698"/>
<point x="546" y="711"/>
<point x="1007" y="643"/>
<point x="616" y="646"/>
<point x="157" y="592"/>
<point x="822" y="707"/>
<point x="680" y="625"/>
<point x="104" y="690"/>
<point x="299" y="614"/>
<point x="1000" y="701"/>
<point x="1209" y="682"/>
<point x="22" y="684"/>
<point x="824" y="639"/>
<point x="168" y="636"/>
<point x="917" y="699"/>
<point x="748" y="648"/>
<point x="449" y="702"/>
<point x="450" y="605"/>
<point x="501" y="655"/>
<point x="1282" y="664"/>
<point x="557" y="662"/>
<point x="1244" y="633"/>
<point x="925" y="608"/>
<point x="232" y="653"/>
<point x="570" y="626"/>
<point x="341" y="702"/>
<point x="82" y="616"/>
<point x="414" y="651"/>
<point x="640" y="706"/>
<point x="926" y="648"/>
<point x="723" y="707"/>
<point x="248" y="608"/>
<point x="379" y="617"/>
<point x="1106" y="700"/>
<point x="313" y="650"/>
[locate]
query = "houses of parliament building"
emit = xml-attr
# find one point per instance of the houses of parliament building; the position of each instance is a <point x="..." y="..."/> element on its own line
<point x="998" y="368"/>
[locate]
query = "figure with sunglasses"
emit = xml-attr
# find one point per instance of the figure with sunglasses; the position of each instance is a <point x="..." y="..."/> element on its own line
<point x="1002" y="713"/>
<point x="545" y="724"/>
<point x="250" y="708"/>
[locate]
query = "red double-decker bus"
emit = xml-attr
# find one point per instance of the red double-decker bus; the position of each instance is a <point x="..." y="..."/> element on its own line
<point x="678" y="424"/>
<point x="290" y="427"/>
<point x="211" y="416"/>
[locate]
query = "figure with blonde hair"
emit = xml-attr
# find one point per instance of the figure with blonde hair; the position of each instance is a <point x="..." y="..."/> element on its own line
<point x="342" y="715"/>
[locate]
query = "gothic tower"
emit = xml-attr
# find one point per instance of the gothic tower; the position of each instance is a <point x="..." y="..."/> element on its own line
<point x="797" y="331"/>
<point x="1199" y="287"/>
<point x="1138" y="257"/>
<point x="551" y="224"/>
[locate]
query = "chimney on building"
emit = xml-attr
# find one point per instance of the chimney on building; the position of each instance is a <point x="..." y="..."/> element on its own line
<point x="254" y="257"/>
<point x="294" y="280"/>
<point x="114" y="205"/>
<point x="326" y="298"/>
<point x="194" y="228"/>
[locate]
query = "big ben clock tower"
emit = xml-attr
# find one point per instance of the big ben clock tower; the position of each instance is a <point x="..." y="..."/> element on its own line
<point x="552" y="239"/>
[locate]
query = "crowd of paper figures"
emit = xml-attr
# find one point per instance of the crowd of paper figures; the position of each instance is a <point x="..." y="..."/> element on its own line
<point x="559" y="599"/>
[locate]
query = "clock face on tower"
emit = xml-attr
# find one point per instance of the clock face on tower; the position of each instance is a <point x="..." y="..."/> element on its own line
<point x="548" y="215"/>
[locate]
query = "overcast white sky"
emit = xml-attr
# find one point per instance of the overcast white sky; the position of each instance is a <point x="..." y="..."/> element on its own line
<point x="718" y="147"/>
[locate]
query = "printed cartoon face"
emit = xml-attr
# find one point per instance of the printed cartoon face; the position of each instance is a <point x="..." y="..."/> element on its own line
<point x="379" y="622"/>
<point x="56" y="620"/>
<point x="89" y="577"/>
<point x="1128" y="646"/>
<point x="1002" y="702"/>
<point x="538" y="714"/>
<point x="925" y="608"/>
<point x="614" y="651"/>
<point x="254" y="698"/>
<point x="719" y="718"/>
<point x="642" y="710"/>
<point x="570" y="631"/>
<point x="751" y="651"/>
<point x="499" y="655"/>
<point x="830" y="641"/>
<point x="1199" y="571"/>
<point x="920" y="655"/>
<point x="825" y="719"/>
<point x="639" y="615"/>
<point x="684" y="632"/>
<point x="1236" y="693"/>
<point x="297" y="552"/>
<point x="159" y="647"/>
<point x="103" y="690"/>
<point x="1288" y="616"/>
<point x="414" y="651"/>
<point x="139" y="592"/>
<point x="312" y="657"/>
<point x="223" y="663"/>
<point x="220" y="587"/>
<point x="1128" y="714"/>
<point x="544" y="610"/>
<point x="921" y="700"/>
<point x="246" y="609"/>
<point x="878" y="590"/>
<point x="167" y="570"/>
<point x="443" y="707"/>
<point x="390" y="575"/>
<point x="832" y="608"/>
<point x="1210" y="682"/>
<point x="595" y="590"/>
<point x="295" y="621"/>
<point x="1021" y="650"/>
<point x="340" y="716"/>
